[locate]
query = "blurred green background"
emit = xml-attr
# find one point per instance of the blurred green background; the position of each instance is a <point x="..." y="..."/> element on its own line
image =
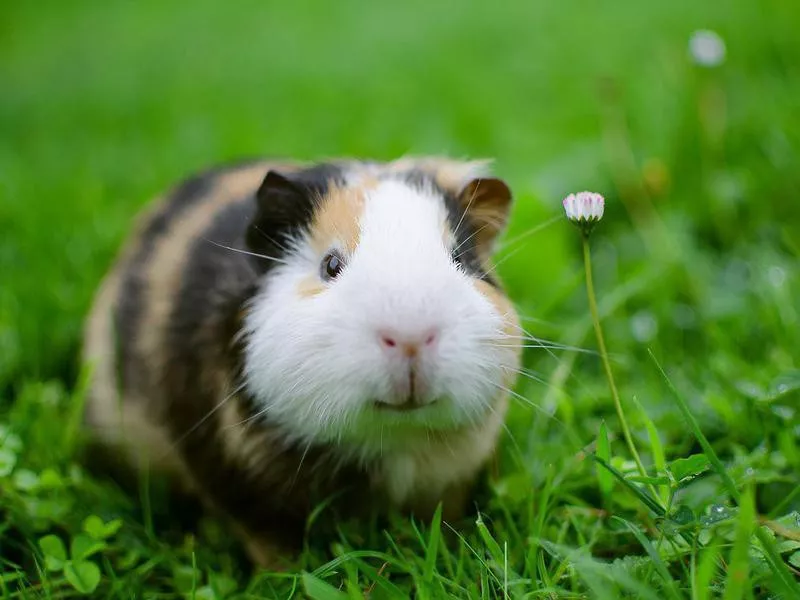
<point x="104" y="104"/>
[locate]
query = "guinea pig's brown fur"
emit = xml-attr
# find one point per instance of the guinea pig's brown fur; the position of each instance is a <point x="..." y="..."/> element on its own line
<point x="163" y="338"/>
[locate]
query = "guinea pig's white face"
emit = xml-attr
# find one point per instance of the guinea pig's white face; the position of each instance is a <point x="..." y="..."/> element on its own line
<point x="371" y="330"/>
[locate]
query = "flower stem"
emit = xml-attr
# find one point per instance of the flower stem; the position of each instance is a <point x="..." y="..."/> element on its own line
<point x="587" y="261"/>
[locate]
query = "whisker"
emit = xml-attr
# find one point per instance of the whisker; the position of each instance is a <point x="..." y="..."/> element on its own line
<point x="529" y="232"/>
<point x="300" y="466"/>
<point x="522" y="398"/>
<point x="524" y="317"/>
<point x="464" y="214"/>
<point x="558" y="360"/>
<point x="550" y="344"/>
<point x="247" y="252"/>
<point x="513" y="439"/>
<point x="264" y="410"/>
<point x="529" y="373"/>
<point x="503" y="342"/>
<point x="534" y="376"/>
<point x="543" y="343"/>
<point x="271" y="239"/>
<point x="501" y="336"/>
<point x="502" y="260"/>
<point x="208" y="415"/>
<point x="249" y="418"/>
<point x="529" y="337"/>
<point x="546" y="347"/>
<point x="517" y="239"/>
<point x="465" y="240"/>
<point x="528" y="333"/>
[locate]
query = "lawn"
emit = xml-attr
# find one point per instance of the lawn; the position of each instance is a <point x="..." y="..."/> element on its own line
<point x="696" y="267"/>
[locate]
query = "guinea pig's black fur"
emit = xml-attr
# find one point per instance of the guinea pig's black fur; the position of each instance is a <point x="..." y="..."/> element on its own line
<point x="165" y="340"/>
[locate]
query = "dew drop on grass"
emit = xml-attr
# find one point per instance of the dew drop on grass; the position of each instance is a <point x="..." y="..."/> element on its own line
<point x="717" y="513"/>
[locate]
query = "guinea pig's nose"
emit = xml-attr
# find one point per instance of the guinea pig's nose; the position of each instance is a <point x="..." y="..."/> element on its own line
<point x="407" y="344"/>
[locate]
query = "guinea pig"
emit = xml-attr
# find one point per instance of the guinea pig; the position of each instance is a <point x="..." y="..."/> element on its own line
<point x="274" y="334"/>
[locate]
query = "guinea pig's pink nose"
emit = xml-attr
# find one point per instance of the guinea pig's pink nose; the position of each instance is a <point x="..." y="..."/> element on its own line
<point x="407" y="344"/>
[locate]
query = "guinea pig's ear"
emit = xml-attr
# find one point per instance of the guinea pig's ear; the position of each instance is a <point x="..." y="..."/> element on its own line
<point x="284" y="205"/>
<point x="486" y="202"/>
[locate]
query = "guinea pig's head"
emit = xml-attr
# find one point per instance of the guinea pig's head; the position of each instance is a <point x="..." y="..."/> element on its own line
<point x="378" y="316"/>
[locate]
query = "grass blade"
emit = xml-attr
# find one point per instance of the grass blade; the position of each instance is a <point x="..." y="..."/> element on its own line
<point x="432" y="550"/>
<point x="657" y="449"/>
<point x="380" y="580"/>
<point x="698" y="434"/>
<point x="783" y="577"/>
<point x="320" y="590"/>
<point x="646" y="498"/>
<point x="701" y="581"/>
<point x="604" y="478"/>
<point x="499" y="557"/>
<point x="739" y="566"/>
<point x="658" y="562"/>
<point x="603" y="581"/>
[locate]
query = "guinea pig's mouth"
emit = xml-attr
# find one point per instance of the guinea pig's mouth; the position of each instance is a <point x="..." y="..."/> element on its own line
<point x="409" y="404"/>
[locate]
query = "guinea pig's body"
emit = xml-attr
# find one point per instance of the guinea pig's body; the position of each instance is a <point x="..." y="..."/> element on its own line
<point x="277" y="334"/>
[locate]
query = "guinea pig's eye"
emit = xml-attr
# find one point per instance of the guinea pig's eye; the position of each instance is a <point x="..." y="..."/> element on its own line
<point x="331" y="266"/>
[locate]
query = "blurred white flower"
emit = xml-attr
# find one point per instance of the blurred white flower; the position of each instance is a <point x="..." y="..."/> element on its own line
<point x="707" y="48"/>
<point x="584" y="208"/>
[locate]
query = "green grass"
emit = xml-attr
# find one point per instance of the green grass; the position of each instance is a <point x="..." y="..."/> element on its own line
<point x="696" y="262"/>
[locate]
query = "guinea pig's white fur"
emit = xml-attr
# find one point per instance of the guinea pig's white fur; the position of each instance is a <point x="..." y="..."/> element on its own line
<point x="268" y="385"/>
<point x="315" y="362"/>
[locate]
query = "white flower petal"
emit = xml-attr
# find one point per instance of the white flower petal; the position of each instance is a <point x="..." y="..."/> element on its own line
<point x="584" y="207"/>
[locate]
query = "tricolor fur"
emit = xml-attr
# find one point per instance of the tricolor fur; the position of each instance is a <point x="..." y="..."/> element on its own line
<point x="228" y="351"/>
